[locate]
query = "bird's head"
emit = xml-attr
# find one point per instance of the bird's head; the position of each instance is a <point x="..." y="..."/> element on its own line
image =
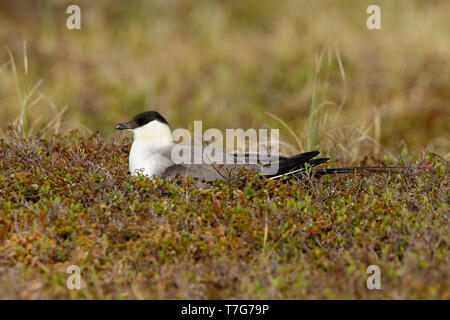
<point x="148" y="127"/>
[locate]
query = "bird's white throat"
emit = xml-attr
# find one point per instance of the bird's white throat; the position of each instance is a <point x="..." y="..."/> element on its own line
<point x="145" y="153"/>
<point x="155" y="133"/>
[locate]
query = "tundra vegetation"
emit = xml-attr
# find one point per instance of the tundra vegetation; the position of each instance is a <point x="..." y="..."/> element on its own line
<point x="312" y="70"/>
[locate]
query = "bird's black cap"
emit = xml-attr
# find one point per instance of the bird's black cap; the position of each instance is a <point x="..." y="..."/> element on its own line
<point x="140" y="120"/>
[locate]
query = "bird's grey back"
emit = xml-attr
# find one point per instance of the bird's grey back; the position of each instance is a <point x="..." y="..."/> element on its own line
<point x="222" y="166"/>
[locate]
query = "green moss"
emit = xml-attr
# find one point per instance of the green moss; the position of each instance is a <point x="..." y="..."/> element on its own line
<point x="135" y="237"/>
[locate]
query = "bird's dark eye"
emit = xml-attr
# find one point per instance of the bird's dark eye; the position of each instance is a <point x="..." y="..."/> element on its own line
<point x="143" y="121"/>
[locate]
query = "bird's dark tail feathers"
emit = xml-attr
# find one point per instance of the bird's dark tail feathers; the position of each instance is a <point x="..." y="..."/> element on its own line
<point x="363" y="168"/>
<point x="303" y="164"/>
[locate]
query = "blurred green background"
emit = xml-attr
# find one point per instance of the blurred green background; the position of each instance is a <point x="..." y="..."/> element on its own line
<point x="230" y="63"/>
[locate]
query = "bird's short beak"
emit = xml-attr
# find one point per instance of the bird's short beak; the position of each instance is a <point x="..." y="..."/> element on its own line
<point x="123" y="126"/>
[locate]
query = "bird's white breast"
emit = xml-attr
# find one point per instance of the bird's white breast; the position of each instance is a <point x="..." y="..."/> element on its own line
<point x="147" y="160"/>
<point x="145" y="153"/>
